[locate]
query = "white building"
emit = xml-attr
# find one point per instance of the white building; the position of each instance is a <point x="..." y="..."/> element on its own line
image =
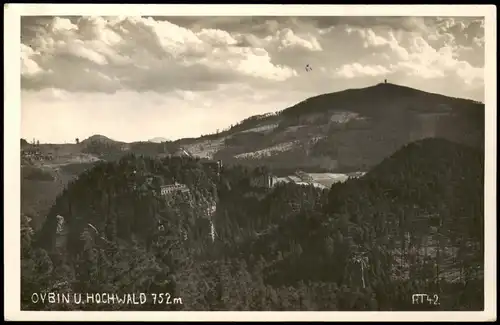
<point x="171" y="188"/>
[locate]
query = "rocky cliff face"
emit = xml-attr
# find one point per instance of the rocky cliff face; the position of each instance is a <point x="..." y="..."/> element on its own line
<point x="121" y="201"/>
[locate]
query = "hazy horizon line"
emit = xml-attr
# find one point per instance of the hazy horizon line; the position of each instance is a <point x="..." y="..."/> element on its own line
<point x="174" y="139"/>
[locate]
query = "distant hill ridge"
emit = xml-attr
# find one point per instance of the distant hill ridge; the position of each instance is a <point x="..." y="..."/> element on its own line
<point x="344" y="131"/>
<point x="358" y="98"/>
<point x="99" y="138"/>
<point x="158" y="140"/>
<point x="382" y="92"/>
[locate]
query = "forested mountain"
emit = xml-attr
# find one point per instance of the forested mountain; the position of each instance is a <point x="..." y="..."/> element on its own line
<point x="413" y="224"/>
<point x="347" y="131"/>
<point x="344" y="131"/>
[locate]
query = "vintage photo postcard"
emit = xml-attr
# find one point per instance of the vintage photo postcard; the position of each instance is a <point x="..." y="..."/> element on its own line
<point x="250" y="162"/>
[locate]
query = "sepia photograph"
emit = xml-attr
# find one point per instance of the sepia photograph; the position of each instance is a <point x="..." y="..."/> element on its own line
<point x="253" y="162"/>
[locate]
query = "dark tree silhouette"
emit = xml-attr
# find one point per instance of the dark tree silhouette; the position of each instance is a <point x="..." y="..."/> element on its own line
<point x="412" y="224"/>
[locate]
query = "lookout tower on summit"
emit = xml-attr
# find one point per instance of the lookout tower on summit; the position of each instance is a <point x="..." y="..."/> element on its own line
<point x="385" y="81"/>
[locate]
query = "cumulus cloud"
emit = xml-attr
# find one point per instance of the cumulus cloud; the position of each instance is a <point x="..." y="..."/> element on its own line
<point x="232" y="67"/>
<point x="139" y="53"/>
<point x="160" y="56"/>
<point x="28" y="66"/>
<point x="357" y="70"/>
<point x="287" y="38"/>
<point x="411" y="55"/>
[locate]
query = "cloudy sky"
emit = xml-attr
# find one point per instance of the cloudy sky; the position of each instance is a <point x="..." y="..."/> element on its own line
<point x="135" y="78"/>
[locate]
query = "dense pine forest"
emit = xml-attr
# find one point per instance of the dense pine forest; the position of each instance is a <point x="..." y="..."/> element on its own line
<point x="413" y="224"/>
